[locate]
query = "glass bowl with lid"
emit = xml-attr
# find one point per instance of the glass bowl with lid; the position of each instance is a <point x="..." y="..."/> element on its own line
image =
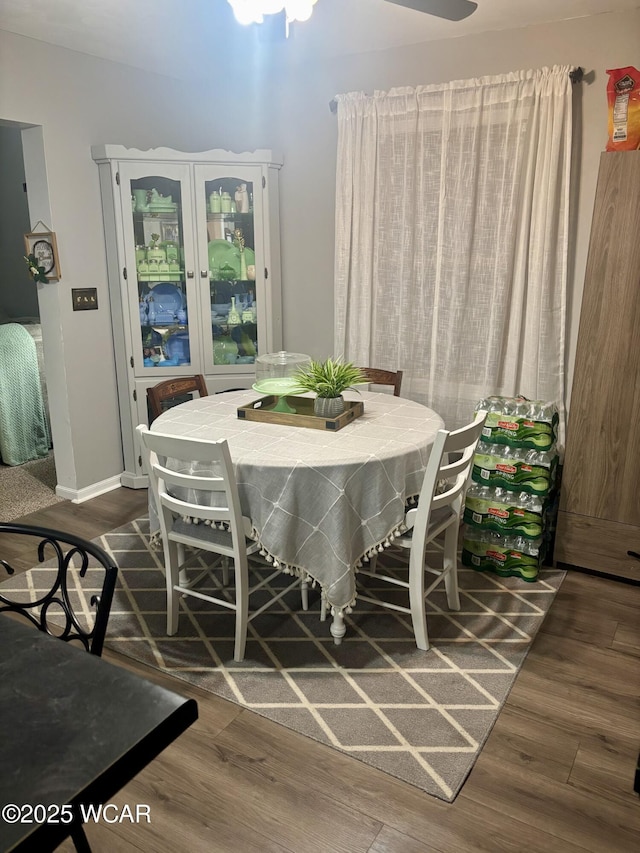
<point x="275" y="372"/>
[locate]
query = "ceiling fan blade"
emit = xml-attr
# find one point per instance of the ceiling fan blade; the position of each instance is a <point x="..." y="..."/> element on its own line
<point x="451" y="10"/>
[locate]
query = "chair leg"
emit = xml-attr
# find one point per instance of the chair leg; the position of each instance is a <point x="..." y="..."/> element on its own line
<point x="181" y="558"/>
<point x="173" y="596"/>
<point x="450" y="567"/>
<point x="417" y="602"/>
<point x="323" y="608"/>
<point x="242" y="610"/>
<point x="304" y="594"/>
<point x="80" y="841"/>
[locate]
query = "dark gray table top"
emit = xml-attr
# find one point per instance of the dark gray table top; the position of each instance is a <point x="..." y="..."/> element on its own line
<point x="75" y="728"/>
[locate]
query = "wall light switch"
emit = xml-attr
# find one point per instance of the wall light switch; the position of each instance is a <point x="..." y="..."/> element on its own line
<point x="84" y="298"/>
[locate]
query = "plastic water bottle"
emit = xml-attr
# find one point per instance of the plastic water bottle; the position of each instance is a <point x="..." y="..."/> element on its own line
<point x="510" y="407"/>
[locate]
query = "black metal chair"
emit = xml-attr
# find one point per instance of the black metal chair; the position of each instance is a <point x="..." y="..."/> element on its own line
<point x="53" y="611"/>
<point x="72" y="554"/>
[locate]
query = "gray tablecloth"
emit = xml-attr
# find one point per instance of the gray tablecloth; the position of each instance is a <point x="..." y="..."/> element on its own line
<point x="319" y="502"/>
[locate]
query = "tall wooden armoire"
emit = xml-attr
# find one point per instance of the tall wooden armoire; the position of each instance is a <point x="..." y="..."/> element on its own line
<point x="599" y="518"/>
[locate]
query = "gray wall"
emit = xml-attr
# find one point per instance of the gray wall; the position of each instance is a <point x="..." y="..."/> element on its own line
<point x="18" y="294"/>
<point x="90" y="101"/>
<point x="309" y="146"/>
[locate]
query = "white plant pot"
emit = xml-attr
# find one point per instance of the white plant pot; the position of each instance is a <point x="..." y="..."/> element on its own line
<point x="328" y="407"/>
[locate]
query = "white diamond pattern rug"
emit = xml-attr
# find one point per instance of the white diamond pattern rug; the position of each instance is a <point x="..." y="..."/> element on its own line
<point x="420" y="716"/>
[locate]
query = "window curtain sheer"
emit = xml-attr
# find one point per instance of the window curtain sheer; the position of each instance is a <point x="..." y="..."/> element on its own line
<point x="452" y="223"/>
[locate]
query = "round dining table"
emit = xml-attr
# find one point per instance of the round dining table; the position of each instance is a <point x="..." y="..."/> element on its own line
<point x="320" y="502"/>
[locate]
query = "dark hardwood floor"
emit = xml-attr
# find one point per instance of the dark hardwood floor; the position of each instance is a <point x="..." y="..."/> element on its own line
<point x="556" y="773"/>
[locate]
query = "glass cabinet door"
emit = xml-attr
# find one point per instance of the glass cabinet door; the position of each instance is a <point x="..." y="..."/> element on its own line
<point x="232" y="266"/>
<point x="159" y="251"/>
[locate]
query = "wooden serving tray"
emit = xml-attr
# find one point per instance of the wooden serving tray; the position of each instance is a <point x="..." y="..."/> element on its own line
<point x="262" y="410"/>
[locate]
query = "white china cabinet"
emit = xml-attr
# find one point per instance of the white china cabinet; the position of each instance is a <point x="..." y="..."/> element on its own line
<point x="193" y="261"/>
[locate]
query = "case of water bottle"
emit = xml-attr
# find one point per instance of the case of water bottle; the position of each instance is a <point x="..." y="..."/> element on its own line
<point x="511" y="505"/>
<point x="515" y="469"/>
<point x="520" y="423"/>
<point x="505" y="512"/>
<point x="517" y="556"/>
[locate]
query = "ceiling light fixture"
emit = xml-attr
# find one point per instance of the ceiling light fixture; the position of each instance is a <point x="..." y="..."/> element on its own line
<point x="253" y="11"/>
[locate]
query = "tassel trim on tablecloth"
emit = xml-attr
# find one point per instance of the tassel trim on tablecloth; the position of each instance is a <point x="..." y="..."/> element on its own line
<point x="284" y="567"/>
<point x="277" y="563"/>
<point x="293" y="569"/>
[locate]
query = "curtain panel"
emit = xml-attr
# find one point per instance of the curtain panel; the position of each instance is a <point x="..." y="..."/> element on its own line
<point x="452" y="228"/>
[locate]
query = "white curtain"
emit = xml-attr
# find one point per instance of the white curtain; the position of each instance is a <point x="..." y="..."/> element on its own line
<point x="452" y="223"/>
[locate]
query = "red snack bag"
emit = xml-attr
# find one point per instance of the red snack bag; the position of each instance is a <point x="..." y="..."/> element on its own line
<point x="623" y="97"/>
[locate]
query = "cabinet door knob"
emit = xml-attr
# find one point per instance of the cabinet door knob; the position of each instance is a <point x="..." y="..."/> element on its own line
<point x="189" y="273"/>
<point x="204" y="273"/>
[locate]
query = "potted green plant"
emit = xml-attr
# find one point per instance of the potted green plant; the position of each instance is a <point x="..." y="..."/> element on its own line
<point x="328" y="379"/>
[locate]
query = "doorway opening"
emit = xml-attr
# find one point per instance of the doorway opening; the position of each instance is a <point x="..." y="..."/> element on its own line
<point x="27" y="477"/>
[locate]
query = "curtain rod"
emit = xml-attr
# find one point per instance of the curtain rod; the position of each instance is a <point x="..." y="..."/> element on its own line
<point x="576" y="75"/>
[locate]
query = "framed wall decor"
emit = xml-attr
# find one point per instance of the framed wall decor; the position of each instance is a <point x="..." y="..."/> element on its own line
<point x="43" y="245"/>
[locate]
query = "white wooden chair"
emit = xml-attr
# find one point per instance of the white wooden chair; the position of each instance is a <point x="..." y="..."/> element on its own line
<point x="439" y="510"/>
<point x="220" y="529"/>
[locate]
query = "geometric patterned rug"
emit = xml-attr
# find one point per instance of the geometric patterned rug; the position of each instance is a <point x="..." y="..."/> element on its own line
<point x="420" y="716"/>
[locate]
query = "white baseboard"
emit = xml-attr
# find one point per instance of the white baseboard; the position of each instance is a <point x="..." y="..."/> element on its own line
<point x="78" y="496"/>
